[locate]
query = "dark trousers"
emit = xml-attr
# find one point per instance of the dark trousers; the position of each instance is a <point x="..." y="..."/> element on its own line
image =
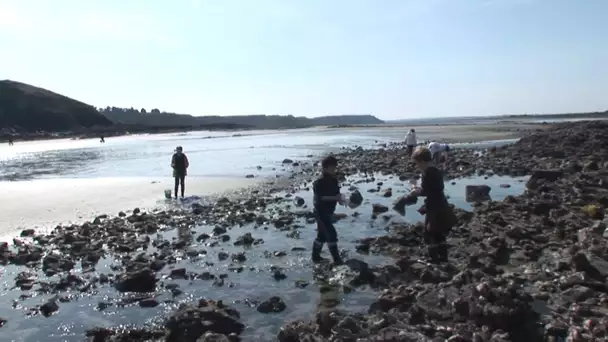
<point x="326" y="234"/>
<point x="180" y="179"/>
<point x="437" y="224"/>
<point x="410" y="149"/>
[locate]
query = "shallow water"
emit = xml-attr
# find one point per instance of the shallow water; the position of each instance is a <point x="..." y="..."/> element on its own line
<point x="210" y="154"/>
<point x="251" y="285"/>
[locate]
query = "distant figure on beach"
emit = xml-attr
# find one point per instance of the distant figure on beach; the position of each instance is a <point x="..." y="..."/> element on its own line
<point x="326" y="194"/>
<point x="439" y="217"/>
<point x="10" y="141"/>
<point x="410" y="141"/>
<point x="179" y="163"/>
<point x="438" y="151"/>
<point x="102" y="140"/>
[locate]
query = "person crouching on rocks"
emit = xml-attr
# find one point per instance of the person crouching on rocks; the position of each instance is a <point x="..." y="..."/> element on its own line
<point x="410" y="141"/>
<point x="438" y="151"/>
<point x="179" y="163"/>
<point x="326" y="195"/>
<point x="439" y="217"/>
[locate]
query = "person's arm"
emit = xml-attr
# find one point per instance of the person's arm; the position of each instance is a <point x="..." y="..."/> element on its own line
<point x="186" y="162"/>
<point x="173" y="161"/>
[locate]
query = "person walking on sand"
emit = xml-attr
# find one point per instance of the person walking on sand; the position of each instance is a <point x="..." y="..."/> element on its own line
<point x="179" y="163"/>
<point x="410" y="141"/>
<point x="102" y="140"/>
<point x="439" y="217"/>
<point x="10" y="141"/>
<point x="437" y="151"/>
<point x="326" y="194"/>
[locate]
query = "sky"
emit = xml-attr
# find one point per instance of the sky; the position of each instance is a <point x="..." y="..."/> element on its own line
<point x="395" y="59"/>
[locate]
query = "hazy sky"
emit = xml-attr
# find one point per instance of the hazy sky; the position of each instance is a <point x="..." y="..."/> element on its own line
<point x="392" y="58"/>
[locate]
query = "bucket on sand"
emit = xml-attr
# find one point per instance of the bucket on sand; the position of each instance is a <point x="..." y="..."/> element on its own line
<point x="168" y="193"/>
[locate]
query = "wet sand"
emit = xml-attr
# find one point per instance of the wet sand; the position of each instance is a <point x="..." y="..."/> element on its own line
<point x="456" y="133"/>
<point x="46" y="203"/>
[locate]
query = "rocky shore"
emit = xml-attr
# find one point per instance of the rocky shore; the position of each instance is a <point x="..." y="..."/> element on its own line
<point x="532" y="267"/>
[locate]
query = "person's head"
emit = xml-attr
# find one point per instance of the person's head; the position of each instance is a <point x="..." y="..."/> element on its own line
<point x="412" y="130"/>
<point x="329" y="165"/>
<point x="422" y="157"/>
<point x="447" y="148"/>
<point x="179" y="149"/>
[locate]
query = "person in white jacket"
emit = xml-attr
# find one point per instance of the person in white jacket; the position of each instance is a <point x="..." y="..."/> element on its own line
<point x="437" y="150"/>
<point x="410" y="141"/>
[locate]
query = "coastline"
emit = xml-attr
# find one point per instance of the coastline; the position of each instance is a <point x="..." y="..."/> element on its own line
<point x="190" y="245"/>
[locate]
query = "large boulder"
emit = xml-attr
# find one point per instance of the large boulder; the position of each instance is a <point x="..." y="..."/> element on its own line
<point x="143" y="280"/>
<point x="189" y="322"/>
<point x="540" y="176"/>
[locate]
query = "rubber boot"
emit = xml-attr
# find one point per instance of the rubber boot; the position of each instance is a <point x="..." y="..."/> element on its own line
<point x="316" y="252"/>
<point x="335" y="254"/>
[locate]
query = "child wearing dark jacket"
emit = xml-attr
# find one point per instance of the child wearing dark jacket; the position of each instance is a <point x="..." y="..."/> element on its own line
<point x="439" y="217"/>
<point x="326" y="195"/>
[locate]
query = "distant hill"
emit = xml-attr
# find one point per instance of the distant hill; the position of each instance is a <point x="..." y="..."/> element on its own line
<point x="346" y="120"/>
<point x="25" y="108"/>
<point x="156" y="118"/>
<point x="29" y="111"/>
<point x="497" y="118"/>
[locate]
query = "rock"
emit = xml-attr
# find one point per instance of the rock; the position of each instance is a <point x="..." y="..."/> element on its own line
<point x="249" y="176"/>
<point x="272" y="305"/>
<point x="27" y="232"/>
<point x="477" y="193"/>
<point x="301" y="283"/>
<point x="2" y="322"/>
<point x="244" y="240"/>
<point x="190" y="323"/>
<point x="49" y="308"/>
<point x="379" y="208"/>
<point x="299" y="201"/>
<point x="355" y="198"/>
<point x="148" y="303"/>
<point x="400" y="203"/>
<point x="287" y="161"/>
<point x="138" y="281"/>
<point x="540" y="176"/>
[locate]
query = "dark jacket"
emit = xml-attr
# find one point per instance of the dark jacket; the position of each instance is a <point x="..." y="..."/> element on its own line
<point x="432" y="188"/>
<point x="326" y="185"/>
<point x="179" y="162"/>
<point x="439" y="214"/>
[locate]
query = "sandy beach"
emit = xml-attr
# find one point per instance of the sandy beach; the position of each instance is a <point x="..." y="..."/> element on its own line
<point x="45" y="203"/>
